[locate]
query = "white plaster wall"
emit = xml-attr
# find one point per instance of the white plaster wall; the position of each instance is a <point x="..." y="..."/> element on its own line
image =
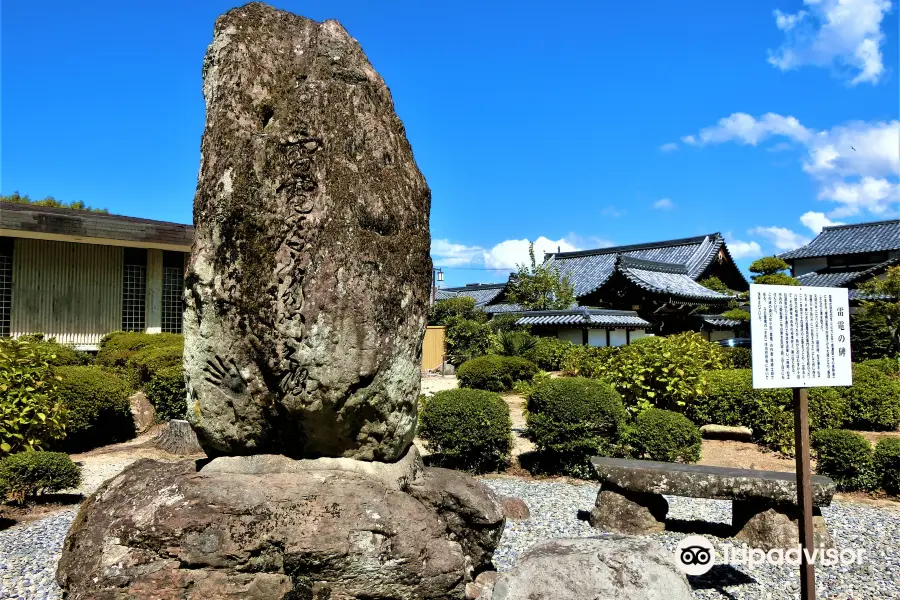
<point x="596" y="337"/>
<point x="570" y="335"/>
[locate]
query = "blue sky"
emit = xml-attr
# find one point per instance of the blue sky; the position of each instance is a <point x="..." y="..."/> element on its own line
<point x="578" y="124"/>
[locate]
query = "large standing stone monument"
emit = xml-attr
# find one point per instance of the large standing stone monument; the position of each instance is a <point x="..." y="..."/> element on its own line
<point x="306" y="299"/>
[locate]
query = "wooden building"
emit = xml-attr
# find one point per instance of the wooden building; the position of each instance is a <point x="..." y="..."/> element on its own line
<point x="78" y="275"/>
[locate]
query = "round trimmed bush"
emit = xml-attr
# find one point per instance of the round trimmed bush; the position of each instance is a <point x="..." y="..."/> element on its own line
<point x="874" y="400"/>
<point x="166" y="391"/>
<point x="664" y="435"/>
<point x="571" y="419"/>
<point x="27" y="474"/>
<point x="470" y="429"/>
<point x="96" y="401"/>
<point x="887" y="464"/>
<point x="117" y="347"/>
<point x="846" y="457"/>
<point x="145" y="363"/>
<point x="495" y="373"/>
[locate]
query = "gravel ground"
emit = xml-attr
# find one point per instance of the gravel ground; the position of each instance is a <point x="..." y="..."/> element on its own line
<point x="28" y="553"/>
<point x="554" y="508"/>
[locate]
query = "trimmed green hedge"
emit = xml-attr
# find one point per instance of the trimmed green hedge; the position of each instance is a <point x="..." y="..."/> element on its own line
<point x="887" y="464"/>
<point x="571" y="419"/>
<point x="737" y="358"/>
<point x="846" y="457"/>
<point x="495" y="373"/>
<point x="54" y="353"/>
<point x="96" y="401"/>
<point x="888" y="366"/>
<point x="27" y="474"/>
<point x="663" y="435"/>
<point x="166" y="391"/>
<point x="469" y="429"/>
<point x="874" y="400"/>
<point x="140" y="355"/>
<point x="549" y="352"/>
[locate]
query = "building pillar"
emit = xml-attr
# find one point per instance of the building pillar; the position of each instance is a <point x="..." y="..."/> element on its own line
<point x="584" y="337"/>
<point x="153" y="299"/>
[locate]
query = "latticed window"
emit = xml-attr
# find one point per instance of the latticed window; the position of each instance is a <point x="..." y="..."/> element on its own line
<point x="172" y="289"/>
<point x="134" y="290"/>
<point x="6" y="252"/>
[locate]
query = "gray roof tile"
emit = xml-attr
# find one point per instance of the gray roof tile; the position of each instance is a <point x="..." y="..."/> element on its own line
<point x="585" y="317"/>
<point x="851" y="239"/>
<point x="482" y="293"/>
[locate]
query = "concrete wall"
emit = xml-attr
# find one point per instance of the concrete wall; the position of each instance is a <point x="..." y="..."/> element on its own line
<point x="570" y="335"/>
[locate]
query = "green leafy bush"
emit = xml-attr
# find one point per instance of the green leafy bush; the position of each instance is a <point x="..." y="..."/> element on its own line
<point x="145" y="363"/>
<point x="27" y="474"/>
<point x="31" y="416"/>
<point x="514" y="343"/>
<point x="506" y="322"/>
<point x="462" y="307"/>
<point x="846" y="457"/>
<point x="56" y="354"/>
<point x="96" y="401"/>
<point x="874" y="400"/>
<point x="888" y="366"/>
<point x="466" y="339"/>
<point x="664" y="435"/>
<point x="870" y="337"/>
<point x="495" y="373"/>
<point x="571" y="419"/>
<point x="588" y="361"/>
<point x="469" y="429"/>
<point x="139" y="355"/>
<point x="549" y="352"/>
<point x="737" y="358"/>
<point x="887" y="464"/>
<point x="166" y="391"/>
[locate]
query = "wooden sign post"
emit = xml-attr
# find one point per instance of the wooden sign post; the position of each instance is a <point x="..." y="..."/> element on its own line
<point x="800" y="339"/>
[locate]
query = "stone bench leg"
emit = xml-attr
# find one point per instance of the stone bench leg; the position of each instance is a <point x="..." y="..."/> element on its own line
<point x="632" y="513"/>
<point x="771" y="526"/>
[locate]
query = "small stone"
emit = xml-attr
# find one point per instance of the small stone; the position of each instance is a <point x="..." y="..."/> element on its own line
<point x="515" y="509"/>
<point x="724" y="432"/>
<point x="631" y="513"/>
<point x="142" y="412"/>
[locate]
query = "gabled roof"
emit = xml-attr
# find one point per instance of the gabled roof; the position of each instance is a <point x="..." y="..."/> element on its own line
<point x="665" y="278"/>
<point x="482" y="293"/>
<point x="584" y="317"/>
<point x="847" y="279"/>
<point x="875" y="236"/>
<point x="719" y="322"/>
<point x="588" y="270"/>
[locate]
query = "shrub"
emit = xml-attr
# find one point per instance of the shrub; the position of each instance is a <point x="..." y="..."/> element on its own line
<point x="506" y="322"/>
<point x="846" y="457"/>
<point x="588" y="361"/>
<point x="514" y="343"/>
<point x="571" y="419"/>
<point x="144" y="363"/>
<point x="887" y="464"/>
<point x="118" y="347"/>
<point x="97" y="404"/>
<point x="737" y="358"/>
<point x="874" y="400"/>
<point x="166" y="391"/>
<point x="870" y="337"/>
<point x="27" y="474"/>
<point x="56" y="354"/>
<point x="470" y="429"/>
<point x="466" y="339"/>
<point x="495" y="373"/>
<point x="30" y="414"/>
<point x="888" y="366"/>
<point x="460" y="306"/>
<point x="664" y="435"/>
<point x="548" y="352"/>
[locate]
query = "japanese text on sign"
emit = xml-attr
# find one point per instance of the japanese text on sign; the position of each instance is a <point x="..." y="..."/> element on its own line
<point x="800" y="336"/>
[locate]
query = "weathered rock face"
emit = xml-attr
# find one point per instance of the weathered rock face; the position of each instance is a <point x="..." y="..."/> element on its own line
<point x="612" y="566"/>
<point x="310" y="271"/>
<point x="269" y="531"/>
<point x="631" y="513"/>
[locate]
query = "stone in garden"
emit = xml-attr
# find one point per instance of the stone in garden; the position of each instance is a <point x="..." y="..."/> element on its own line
<point x="515" y="509"/>
<point x="772" y="527"/>
<point x="142" y="412"/>
<point x="612" y="566"/>
<point x="310" y="273"/>
<point x="631" y="513"/>
<point x="167" y="530"/>
<point x="725" y="432"/>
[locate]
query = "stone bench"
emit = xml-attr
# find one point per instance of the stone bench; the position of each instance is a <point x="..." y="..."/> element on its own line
<point x="764" y="503"/>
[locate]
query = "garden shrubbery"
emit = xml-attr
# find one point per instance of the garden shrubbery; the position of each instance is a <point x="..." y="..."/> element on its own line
<point x="96" y="402"/>
<point x="888" y="366"/>
<point x="588" y="361"/>
<point x="27" y="474"/>
<point x="466" y="339"/>
<point x="54" y="353"/>
<point x="846" y="457"/>
<point x="887" y="464"/>
<point x="874" y="400"/>
<point x="495" y="373"/>
<point x="737" y="358"/>
<point x="467" y="428"/>
<point x="166" y="391"/>
<point x="549" y="352"/>
<point x="573" y="418"/>
<point x="139" y="355"/>
<point x="663" y="435"/>
<point x="31" y="415"/>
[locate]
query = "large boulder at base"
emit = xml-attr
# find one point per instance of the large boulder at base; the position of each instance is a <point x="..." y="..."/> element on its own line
<point x="309" y="276"/>
<point x="624" y="568"/>
<point x="168" y="531"/>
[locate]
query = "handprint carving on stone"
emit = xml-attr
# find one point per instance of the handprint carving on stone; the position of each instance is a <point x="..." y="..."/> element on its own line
<point x="225" y="373"/>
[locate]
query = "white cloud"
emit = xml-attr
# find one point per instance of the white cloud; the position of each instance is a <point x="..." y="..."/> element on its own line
<point x="509" y="253"/>
<point x="612" y="211"/>
<point x="780" y="237"/>
<point x="739" y="249"/>
<point x="663" y="204"/>
<point x="669" y="147"/>
<point x="448" y="254"/>
<point x="856" y="165"/>
<point x="780" y="147"/>
<point x="843" y="33"/>
<point x="815" y="221"/>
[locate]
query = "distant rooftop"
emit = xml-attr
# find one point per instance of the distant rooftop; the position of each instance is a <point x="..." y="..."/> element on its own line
<point x="875" y="236"/>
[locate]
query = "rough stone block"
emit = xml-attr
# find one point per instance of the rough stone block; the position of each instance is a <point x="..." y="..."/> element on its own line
<point x="631" y="513"/>
<point x="775" y="526"/>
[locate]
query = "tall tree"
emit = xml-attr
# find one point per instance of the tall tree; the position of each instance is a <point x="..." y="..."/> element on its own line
<point x="884" y="302"/>
<point x="770" y="271"/>
<point x="540" y="287"/>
